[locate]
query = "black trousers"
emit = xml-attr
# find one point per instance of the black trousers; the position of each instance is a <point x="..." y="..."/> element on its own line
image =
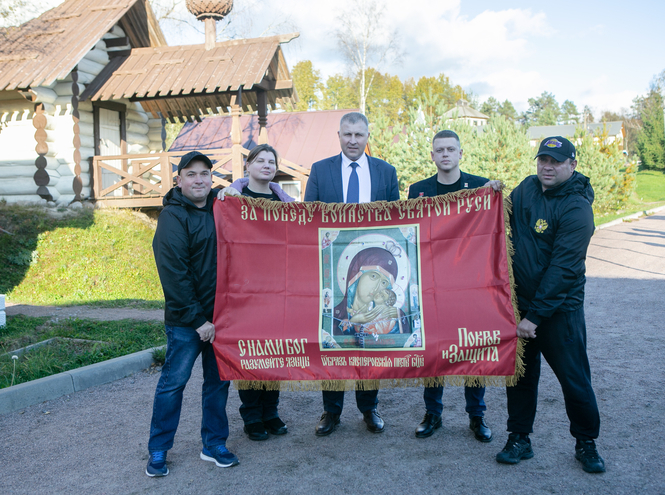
<point x="561" y="339"/>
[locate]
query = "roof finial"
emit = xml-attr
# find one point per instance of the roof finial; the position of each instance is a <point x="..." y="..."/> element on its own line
<point x="210" y="11"/>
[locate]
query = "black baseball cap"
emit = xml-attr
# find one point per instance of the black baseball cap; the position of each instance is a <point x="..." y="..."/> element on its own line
<point x="190" y="157"/>
<point x="558" y="148"/>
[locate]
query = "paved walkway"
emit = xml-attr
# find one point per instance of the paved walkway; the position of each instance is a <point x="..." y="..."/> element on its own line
<point x="95" y="441"/>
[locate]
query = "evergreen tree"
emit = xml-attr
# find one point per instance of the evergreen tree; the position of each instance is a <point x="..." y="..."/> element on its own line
<point x="569" y="113"/>
<point x="508" y="111"/>
<point x="651" y="137"/>
<point x="543" y="110"/>
<point x="491" y="106"/>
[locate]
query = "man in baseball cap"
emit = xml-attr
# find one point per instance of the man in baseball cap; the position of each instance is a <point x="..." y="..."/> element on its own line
<point x="551" y="226"/>
<point x="556" y="161"/>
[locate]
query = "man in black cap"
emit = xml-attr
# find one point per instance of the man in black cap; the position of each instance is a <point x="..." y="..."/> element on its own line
<point x="185" y="247"/>
<point x="551" y="225"/>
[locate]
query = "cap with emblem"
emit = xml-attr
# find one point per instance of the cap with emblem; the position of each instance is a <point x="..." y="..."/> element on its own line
<point x="558" y="148"/>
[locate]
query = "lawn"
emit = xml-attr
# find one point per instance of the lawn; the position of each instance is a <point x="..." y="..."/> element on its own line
<point x="649" y="193"/>
<point x="68" y="257"/>
<point x="76" y="343"/>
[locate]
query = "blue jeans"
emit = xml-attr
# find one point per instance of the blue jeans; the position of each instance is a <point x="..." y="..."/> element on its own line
<point x="183" y="347"/>
<point x="475" y="400"/>
<point x="258" y="405"/>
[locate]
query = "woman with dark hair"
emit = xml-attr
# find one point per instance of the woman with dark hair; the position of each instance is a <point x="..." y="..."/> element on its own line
<point x="260" y="169"/>
<point x="259" y="407"/>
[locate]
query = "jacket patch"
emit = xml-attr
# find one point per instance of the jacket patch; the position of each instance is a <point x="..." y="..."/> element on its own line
<point x="541" y="226"/>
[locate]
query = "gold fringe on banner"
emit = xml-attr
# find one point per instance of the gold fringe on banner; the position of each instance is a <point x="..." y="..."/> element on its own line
<point x="419" y="205"/>
<point x="349" y="385"/>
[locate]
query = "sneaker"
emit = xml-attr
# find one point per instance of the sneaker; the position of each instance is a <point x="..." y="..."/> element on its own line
<point x="586" y="453"/>
<point x="220" y="456"/>
<point x="157" y="464"/>
<point x="517" y="447"/>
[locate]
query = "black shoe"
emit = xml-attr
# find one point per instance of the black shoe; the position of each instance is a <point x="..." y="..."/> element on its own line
<point x="429" y="423"/>
<point x="256" y="431"/>
<point x="517" y="447"/>
<point x="586" y="453"/>
<point x="480" y="429"/>
<point x="275" y="426"/>
<point x="327" y="424"/>
<point x="373" y="420"/>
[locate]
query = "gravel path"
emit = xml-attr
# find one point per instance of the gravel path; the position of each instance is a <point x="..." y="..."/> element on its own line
<point x="95" y="441"/>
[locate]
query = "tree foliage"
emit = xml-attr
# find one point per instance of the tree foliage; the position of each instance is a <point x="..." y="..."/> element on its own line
<point x="601" y="159"/>
<point x="543" y="110"/>
<point x="651" y="137"/>
<point x="307" y="82"/>
<point x="365" y="42"/>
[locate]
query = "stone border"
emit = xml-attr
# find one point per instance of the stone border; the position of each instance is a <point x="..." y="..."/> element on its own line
<point x="634" y="216"/>
<point x="51" y="387"/>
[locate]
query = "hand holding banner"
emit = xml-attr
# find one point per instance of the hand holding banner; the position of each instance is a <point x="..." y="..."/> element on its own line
<point x="317" y="296"/>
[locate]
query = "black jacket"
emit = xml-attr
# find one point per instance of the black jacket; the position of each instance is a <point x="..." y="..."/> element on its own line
<point x="428" y="186"/>
<point x="551" y="231"/>
<point x="185" y="247"/>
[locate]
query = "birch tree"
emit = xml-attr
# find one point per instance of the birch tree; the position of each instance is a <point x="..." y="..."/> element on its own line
<point x="366" y="42"/>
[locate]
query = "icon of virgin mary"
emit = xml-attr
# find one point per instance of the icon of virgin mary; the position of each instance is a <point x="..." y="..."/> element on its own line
<point x="368" y="303"/>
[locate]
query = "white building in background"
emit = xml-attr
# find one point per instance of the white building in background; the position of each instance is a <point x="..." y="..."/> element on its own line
<point x="464" y="111"/>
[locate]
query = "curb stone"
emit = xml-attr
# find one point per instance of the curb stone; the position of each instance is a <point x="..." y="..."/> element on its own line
<point x="634" y="216"/>
<point x="51" y="387"/>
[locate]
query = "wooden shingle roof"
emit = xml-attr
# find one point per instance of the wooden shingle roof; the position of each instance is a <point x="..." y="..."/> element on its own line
<point x="185" y="81"/>
<point x="49" y="47"/>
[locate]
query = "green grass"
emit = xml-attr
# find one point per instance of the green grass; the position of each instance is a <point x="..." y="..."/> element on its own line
<point x="651" y="186"/>
<point x="107" y="340"/>
<point x="649" y="194"/>
<point x="101" y="257"/>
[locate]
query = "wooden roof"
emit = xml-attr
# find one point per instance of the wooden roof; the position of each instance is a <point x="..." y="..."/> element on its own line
<point x="300" y="137"/>
<point x="49" y="47"/>
<point x="186" y="81"/>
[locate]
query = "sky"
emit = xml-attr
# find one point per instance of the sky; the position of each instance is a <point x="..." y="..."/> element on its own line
<point x="596" y="53"/>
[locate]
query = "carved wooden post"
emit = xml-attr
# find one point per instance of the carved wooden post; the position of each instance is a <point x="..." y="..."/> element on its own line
<point x="261" y="102"/>
<point x="77" y="185"/>
<point x="236" y="140"/>
<point x="166" y="173"/>
<point x="41" y="175"/>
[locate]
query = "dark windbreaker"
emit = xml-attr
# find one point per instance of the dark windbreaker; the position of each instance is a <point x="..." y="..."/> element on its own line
<point x="185" y="247"/>
<point x="550" y="233"/>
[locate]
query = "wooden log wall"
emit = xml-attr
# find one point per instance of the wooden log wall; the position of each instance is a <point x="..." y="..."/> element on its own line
<point x="69" y="133"/>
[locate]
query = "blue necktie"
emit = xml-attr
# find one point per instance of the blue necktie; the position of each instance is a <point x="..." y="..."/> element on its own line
<point x="353" y="189"/>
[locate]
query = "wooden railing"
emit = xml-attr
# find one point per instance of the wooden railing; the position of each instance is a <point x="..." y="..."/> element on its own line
<point x="131" y="181"/>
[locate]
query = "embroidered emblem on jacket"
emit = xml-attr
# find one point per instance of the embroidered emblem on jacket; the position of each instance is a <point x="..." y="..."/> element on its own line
<point x="541" y="226"/>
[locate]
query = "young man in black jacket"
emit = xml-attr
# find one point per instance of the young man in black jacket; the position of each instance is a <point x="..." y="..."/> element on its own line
<point x="446" y="154"/>
<point x="185" y="247"/>
<point x="552" y="224"/>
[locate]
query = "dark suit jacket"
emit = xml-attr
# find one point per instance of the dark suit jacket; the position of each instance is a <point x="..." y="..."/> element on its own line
<point x="325" y="181"/>
<point x="428" y="186"/>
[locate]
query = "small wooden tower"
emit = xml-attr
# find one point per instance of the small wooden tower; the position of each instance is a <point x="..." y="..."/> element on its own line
<point x="210" y="11"/>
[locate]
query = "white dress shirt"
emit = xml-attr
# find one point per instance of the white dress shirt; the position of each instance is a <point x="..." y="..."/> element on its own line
<point x="364" y="178"/>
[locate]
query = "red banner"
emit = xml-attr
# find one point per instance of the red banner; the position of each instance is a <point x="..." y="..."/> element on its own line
<point x="415" y="291"/>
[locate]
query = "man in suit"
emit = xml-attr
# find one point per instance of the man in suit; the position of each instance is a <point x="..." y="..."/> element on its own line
<point x="446" y="154"/>
<point x="351" y="177"/>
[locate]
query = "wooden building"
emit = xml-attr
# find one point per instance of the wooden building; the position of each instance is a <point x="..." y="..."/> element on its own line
<point x="85" y="90"/>
<point x="300" y="138"/>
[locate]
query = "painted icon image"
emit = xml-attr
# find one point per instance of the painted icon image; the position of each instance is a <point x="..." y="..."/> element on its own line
<point x="373" y="275"/>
